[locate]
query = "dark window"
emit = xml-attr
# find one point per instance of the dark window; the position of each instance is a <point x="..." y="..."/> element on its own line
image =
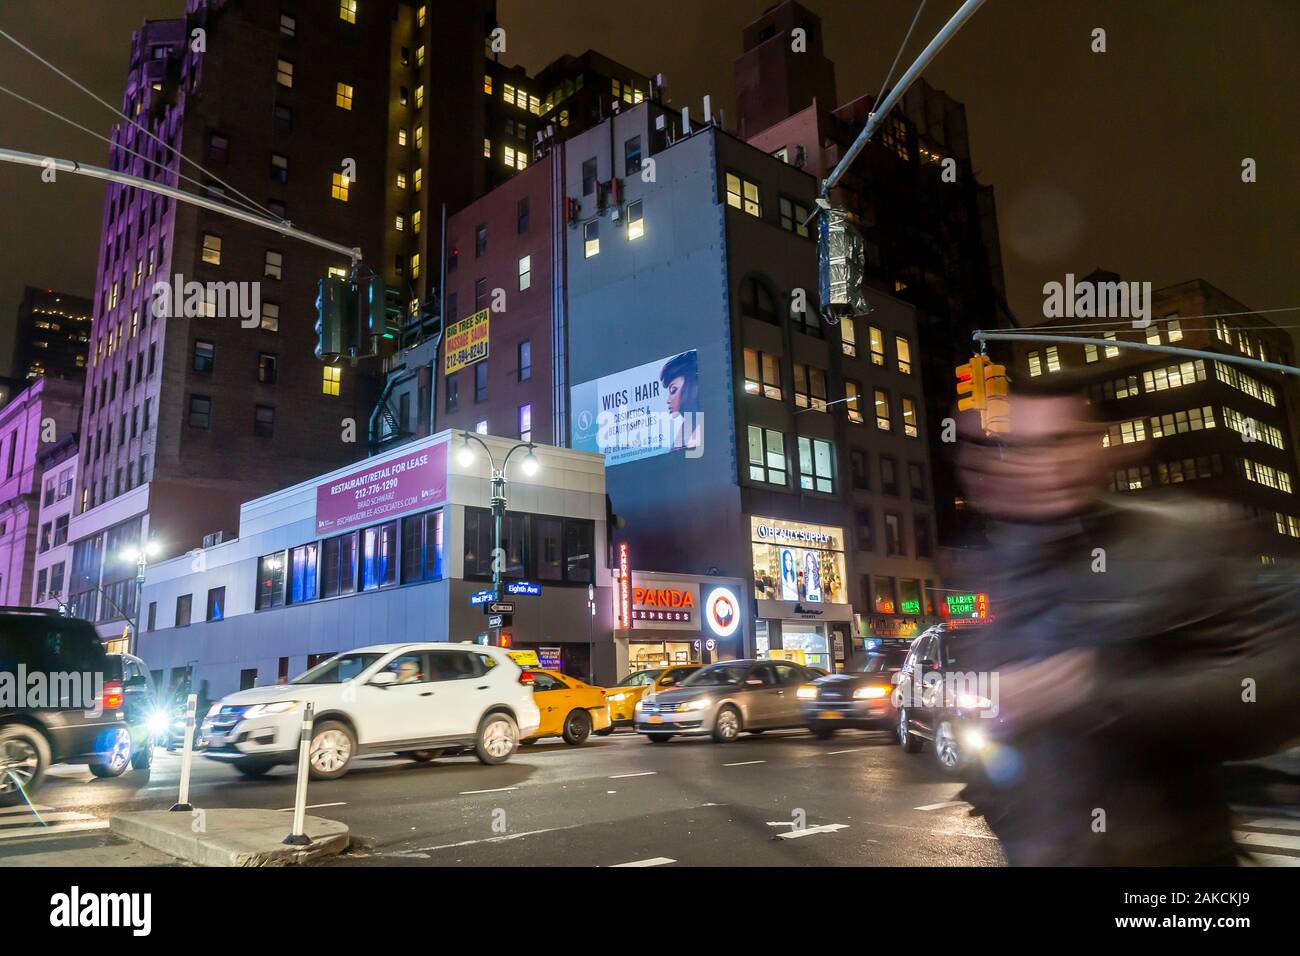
<point x="205" y="357"/>
<point x="200" y="411"/>
<point x="480" y="241"/>
<point x="804" y="317"/>
<point x="921" y="529"/>
<point x="216" y="603"/>
<point x="548" y="547"/>
<point x="525" y="360"/>
<point x="480" y="294"/>
<point x="888" y="476"/>
<point x="481" y="381"/>
<point x="866" y="537"/>
<point x="453" y="391"/>
<point x="264" y="421"/>
<point x="218" y="148"/>
<point x="283" y="120"/>
<point x="916" y="481"/>
<point x="579" y="543"/>
<point x="268" y="367"/>
<point x="422" y="547"/>
<point x="279" y="168"/>
<point x="589" y="176"/>
<point x="858" y="465"/>
<point x="339" y="574"/>
<point x="453" y="307"/>
<point x="893" y="536"/>
<point x="632" y="156"/>
<point x="756" y="300"/>
<point x="153" y="615"/>
<point x="183" y="603"/>
<point x="521" y="216"/>
<point x="270" y="581"/>
<point x="248" y="678"/>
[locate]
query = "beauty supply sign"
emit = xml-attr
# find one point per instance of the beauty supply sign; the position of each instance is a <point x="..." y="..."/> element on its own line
<point x="412" y="482"/>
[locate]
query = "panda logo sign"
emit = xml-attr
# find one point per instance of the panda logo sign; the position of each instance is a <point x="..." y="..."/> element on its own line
<point x="722" y="612"/>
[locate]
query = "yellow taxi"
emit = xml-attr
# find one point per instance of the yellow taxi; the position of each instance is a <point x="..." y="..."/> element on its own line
<point x="624" y="696"/>
<point x="570" y="708"/>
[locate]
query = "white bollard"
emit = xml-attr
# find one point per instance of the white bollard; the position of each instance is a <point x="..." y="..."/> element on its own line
<point x="187" y="755"/>
<point x="297" y="836"/>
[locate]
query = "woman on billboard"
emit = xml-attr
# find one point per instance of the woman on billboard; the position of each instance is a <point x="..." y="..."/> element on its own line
<point x="812" y="576"/>
<point x="789" y="576"/>
<point x="681" y="381"/>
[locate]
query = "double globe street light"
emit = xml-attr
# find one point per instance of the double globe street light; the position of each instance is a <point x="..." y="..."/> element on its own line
<point x="465" y="457"/>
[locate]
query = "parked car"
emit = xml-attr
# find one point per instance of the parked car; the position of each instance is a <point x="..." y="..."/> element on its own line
<point x="83" y="717"/>
<point x="569" y="707"/>
<point x="934" y="705"/>
<point x="860" y="697"/>
<point x="416" y="700"/>
<point x="725" y="699"/>
<point x="624" y="695"/>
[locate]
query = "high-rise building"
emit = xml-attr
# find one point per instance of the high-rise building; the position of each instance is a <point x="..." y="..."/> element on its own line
<point x="929" y="226"/>
<point x="52" y="335"/>
<point x="347" y="119"/>
<point x="1225" y="430"/>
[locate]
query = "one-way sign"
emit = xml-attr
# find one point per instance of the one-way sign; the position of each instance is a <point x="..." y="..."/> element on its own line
<point x="500" y="607"/>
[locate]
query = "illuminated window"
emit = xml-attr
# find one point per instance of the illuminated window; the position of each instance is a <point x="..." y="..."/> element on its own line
<point x="419" y="180"/>
<point x="343" y="96"/>
<point x="635" y="221"/>
<point x="415" y="222"/>
<point x="534" y="105"/>
<point x="762" y="374"/>
<point x="767" y="455"/>
<point x="273" y="268"/>
<point x="1035" y="364"/>
<point x="851" y="402"/>
<point x="284" y="73"/>
<point x="399" y="224"/>
<point x="1053" y="359"/>
<point x="420" y="15"/>
<point x="525" y="273"/>
<point x="1153" y="334"/>
<point x="591" y="238"/>
<point x="419" y="96"/>
<point x="1175" y="329"/>
<point x="909" y="418"/>
<point x="1090" y="354"/>
<point x="1112" y="351"/>
<point x="348" y="10"/>
<point x="211" y="255"/>
<point x="487" y="148"/>
<point x="135" y="321"/>
<point x="419" y="55"/>
<point x="816" y="465"/>
<point x="904" y="350"/>
<point x="525" y="422"/>
<point x="487" y="84"/>
<point x="401" y="179"/>
<point x="415" y="266"/>
<point x="270" y="316"/>
<point x="288" y="25"/>
<point x="339" y="187"/>
<point x="333" y="380"/>
<point x="809" y="387"/>
<point x="338" y="272"/>
<point x="516" y="158"/>
<point x="848" y="337"/>
<point x="743" y="194"/>
<point x="419" y="137"/>
<point x="877" y="345"/>
<point x="882" y="410"/>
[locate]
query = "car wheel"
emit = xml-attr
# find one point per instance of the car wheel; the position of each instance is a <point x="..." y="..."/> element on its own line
<point x="24" y="758"/>
<point x="142" y="757"/>
<point x="660" y="738"/>
<point x="946" y="749"/>
<point x="604" y="732"/>
<point x="498" y="737"/>
<point x="822" y="733"/>
<point x="910" y="742"/>
<point x="116" y="756"/>
<point x="577" y="727"/>
<point x="726" y="726"/>
<point x="331" y="751"/>
<point x="251" y="767"/>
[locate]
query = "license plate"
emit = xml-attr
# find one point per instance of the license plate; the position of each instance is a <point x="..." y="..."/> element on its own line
<point x="831" y="715"/>
<point x="656" y="719"/>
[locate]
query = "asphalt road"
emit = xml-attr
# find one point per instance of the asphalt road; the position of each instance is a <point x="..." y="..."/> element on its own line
<point x="779" y="799"/>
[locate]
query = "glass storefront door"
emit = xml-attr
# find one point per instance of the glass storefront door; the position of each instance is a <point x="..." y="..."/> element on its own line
<point x="809" y="638"/>
<point x="642" y="655"/>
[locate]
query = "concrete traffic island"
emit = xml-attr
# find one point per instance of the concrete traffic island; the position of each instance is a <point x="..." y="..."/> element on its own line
<point x="231" y="837"/>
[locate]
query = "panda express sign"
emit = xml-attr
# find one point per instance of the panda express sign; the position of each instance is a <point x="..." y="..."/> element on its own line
<point x="670" y="604"/>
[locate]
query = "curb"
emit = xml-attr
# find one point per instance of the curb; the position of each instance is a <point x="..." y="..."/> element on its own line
<point x="231" y="837"/>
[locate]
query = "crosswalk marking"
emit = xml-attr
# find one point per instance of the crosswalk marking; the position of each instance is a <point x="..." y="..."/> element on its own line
<point x="20" y="822"/>
<point x="653" y="861"/>
<point x="1258" y="835"/>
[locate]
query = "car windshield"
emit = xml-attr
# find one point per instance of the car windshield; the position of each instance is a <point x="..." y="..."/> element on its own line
<point x="716" y="675"/>
<point x="336" y="670"/>
<point x="882" y="663"/>
<point x="953" y="648"/>
<point x="640" y="677"/>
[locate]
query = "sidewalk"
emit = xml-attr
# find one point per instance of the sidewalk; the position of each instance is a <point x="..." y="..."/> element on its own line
<point x="231" y="837"/>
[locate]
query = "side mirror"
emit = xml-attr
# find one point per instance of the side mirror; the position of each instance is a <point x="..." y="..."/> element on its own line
<point x="383" y="679"/>
<point x="668" y="680"/>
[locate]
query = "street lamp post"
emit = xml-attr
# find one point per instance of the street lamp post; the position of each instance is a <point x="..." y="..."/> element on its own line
<point x="141" y="557"/>
<point x="466" y="458"/>
<point x="591" y="642"/>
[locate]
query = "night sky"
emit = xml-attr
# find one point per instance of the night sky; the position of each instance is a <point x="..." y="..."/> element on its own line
<point x="1129" y="160"/>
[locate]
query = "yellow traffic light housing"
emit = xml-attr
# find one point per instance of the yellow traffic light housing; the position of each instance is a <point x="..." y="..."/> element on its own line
<point x="971" y="384"/>
<point x="996" y="415"/>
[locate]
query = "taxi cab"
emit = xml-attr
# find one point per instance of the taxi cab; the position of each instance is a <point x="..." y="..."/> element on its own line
<point x="624" y="696"/>
<point x="570" y="708"/>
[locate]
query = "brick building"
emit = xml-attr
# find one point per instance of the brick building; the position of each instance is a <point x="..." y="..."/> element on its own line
<point x="52" y="335"/>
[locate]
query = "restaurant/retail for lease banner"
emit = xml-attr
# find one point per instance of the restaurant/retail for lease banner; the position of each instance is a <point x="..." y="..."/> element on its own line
<point x="412" y="482"/>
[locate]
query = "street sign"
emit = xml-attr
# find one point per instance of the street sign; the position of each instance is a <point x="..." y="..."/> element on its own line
<point x="481" y="597"/>
<point x="500" y="607"/>
<point x="523" y="587"/>
<point x="494" y="620"/>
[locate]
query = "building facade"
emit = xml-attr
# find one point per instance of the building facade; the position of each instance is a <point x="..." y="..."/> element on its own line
<point x="57" y="463"/>
<point x="1226" y="431"/>
<point x="52" y="336"/>
<point x="40" y="418"/>
<point x="393" y="549"/>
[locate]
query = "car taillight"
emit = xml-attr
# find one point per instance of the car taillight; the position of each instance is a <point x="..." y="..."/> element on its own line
<point x="525" y="677"/>
<point x="112" y="695"/>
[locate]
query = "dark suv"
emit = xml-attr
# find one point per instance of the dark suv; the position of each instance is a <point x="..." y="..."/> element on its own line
<point x="938" y="700"/>
<point x="62" y="700"/>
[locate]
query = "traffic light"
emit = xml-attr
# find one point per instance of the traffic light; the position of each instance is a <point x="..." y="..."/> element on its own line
<point x="332" y="295"/>
<point x="970" y="385"/>
<point x="997" y="409"/>
<point x="380" y="315"/>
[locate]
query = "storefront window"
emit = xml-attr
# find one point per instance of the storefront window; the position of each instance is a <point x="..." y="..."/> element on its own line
<point x="810" y="639"/>
<point x="550" y="548"/>
<point x="302" y="574"/>
<point x="270" y="580"/>
<point x="422" y="547"/>
<point x="379" y="556"/>
<point x="578" y="547"/>
<point x="340" y="573"/>
<point x="883" y="589"/>
<point x="798" y="562"/>
<point x="909" y="596"/>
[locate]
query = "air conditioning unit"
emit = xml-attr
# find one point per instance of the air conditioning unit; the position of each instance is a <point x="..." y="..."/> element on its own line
<point x="216" y="538"/>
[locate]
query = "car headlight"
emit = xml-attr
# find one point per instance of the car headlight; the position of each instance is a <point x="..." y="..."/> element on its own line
<point x="975" y="740"/>
<point x="973" y="702"/>
<point x="618" y="696"/>
<point x="212" y="711"/>
<point x="275" y="707"/>
<point x="870" y="693"/>
<point x="158" y="722"/>
<point x="806" y="692"/>
<point x="702" y="703"/>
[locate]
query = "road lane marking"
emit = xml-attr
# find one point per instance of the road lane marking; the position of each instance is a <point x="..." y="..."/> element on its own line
<point x="653" y="861"/>
<point x="314" y="806"/>
<point x="1274" y="823"/>
<point x="499" y="839"/>
<point x="643" y="773"/>
<point x="466" y="793"/>
<point x="1272" y="840"/>
<point x="1272" y="859"/>
<point x="940" y="806"/>
<point x="744" y="763"/>
<point x="809" y="831"/>
<point x="832" y="753"/>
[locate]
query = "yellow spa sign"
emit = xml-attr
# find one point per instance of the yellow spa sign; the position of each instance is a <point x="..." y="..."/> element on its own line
<point x="467" y="342"/>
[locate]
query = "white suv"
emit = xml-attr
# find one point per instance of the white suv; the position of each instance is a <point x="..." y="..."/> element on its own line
<point x="415" y="700"/>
